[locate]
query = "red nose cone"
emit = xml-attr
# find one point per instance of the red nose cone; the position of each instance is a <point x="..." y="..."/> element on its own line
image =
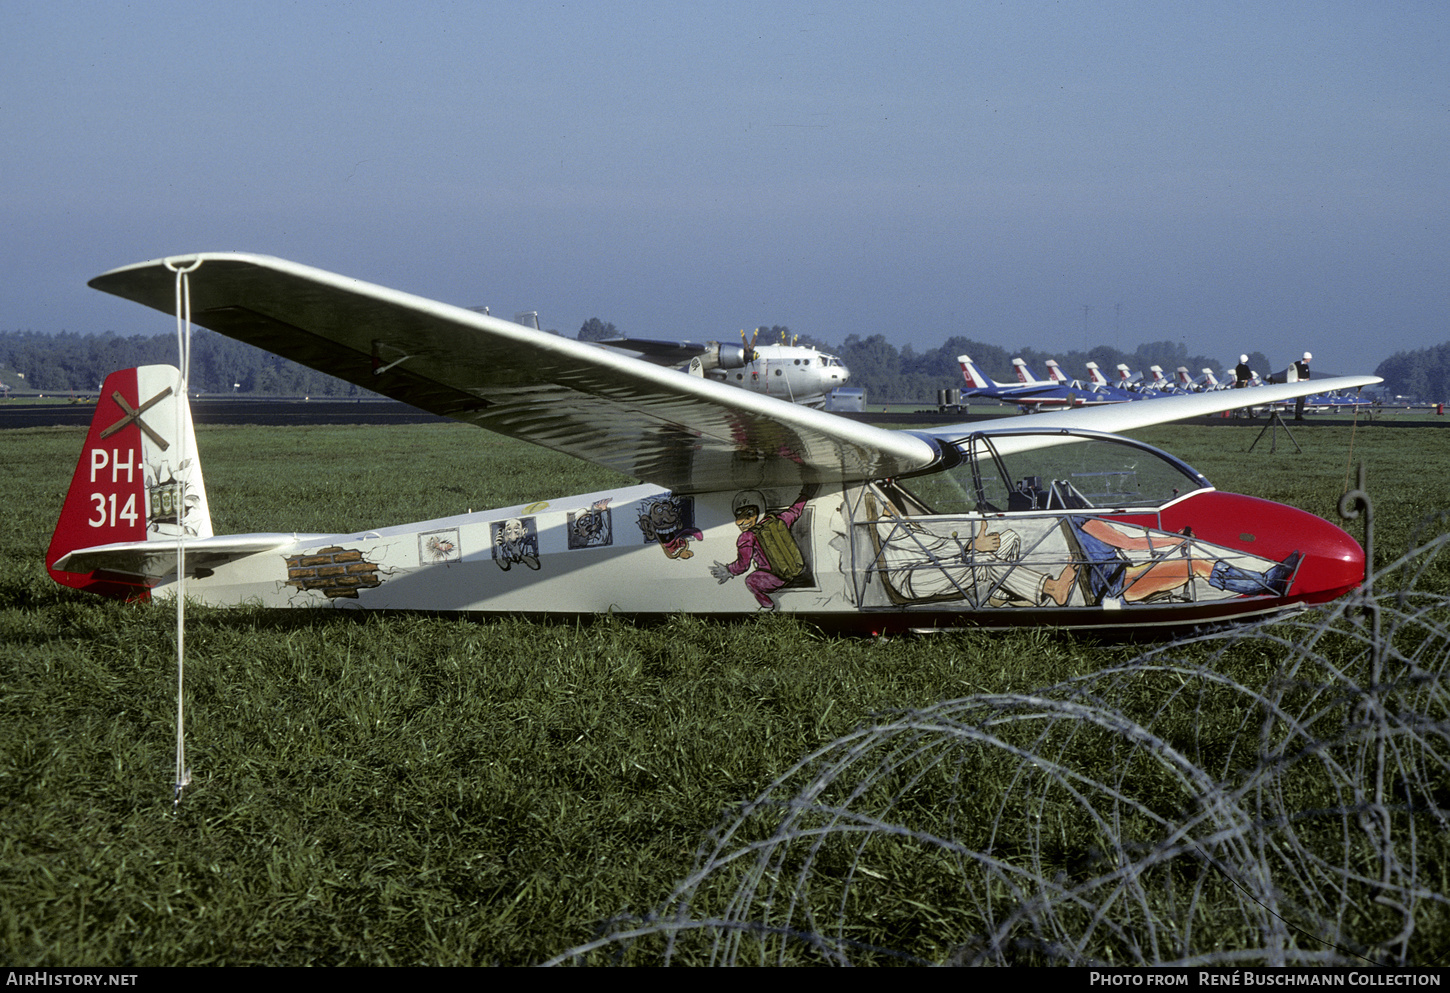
<point x="1331" y="562"/>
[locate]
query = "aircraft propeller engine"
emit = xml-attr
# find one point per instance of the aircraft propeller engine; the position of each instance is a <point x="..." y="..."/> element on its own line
<point x="750" y="355"/>
<point x="719" y="356"/>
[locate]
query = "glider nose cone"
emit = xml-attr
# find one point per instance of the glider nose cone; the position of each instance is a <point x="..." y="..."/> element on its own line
<point x="1333" y="562"/>
<point x="1324" y="560"/>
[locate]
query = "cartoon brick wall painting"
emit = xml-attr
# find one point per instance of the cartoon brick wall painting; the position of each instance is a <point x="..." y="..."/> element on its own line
<point x="333" y="571"/>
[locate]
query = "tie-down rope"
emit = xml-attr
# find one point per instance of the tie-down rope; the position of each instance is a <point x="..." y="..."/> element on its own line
<point x="183" y="357"/>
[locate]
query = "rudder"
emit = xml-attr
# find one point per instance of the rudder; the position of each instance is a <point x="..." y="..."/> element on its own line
<point x="133" y="482"/>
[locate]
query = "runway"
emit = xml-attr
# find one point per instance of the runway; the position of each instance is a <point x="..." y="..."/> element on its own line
<point x="232" y="410"/>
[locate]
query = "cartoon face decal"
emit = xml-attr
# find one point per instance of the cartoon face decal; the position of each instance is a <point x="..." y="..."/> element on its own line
<point x="515" y="542"/>
<point x="591" y="527"/>
<point x="439" y="547"/>
<point x="669" y="521"/>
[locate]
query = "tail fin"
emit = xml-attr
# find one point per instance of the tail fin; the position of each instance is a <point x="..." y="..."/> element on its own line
<point x="134" y="482"/>
<point x="1095" y="375"/>
<point x="1026" y="374"/>
<point x="1055" y="373"/>
<point x="972" y="374"/>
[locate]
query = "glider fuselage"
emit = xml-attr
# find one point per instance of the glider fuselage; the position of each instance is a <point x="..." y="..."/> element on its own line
<point x="858" y="563"/>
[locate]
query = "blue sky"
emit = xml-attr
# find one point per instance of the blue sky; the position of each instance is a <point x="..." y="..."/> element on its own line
<point x="1234" y="176"/>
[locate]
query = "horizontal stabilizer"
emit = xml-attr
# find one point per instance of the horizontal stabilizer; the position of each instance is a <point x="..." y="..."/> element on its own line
<point x="156" y="560"/>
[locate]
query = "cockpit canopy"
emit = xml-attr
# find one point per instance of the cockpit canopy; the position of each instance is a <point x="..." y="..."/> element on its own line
<point x="1027" y="470"/>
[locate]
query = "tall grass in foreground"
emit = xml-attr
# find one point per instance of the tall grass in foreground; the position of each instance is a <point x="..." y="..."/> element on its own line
<point x="412" y="789"/>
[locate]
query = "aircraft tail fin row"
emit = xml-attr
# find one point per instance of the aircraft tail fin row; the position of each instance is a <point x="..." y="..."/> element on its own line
<point x="138" y="478"/>
<point x="978" y="379"/>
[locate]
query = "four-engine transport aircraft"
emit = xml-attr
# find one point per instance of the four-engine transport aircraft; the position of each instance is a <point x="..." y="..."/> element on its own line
<point x="745" y="502"/>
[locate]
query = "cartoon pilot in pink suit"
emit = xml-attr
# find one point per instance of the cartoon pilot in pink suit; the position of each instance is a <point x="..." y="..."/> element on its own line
<point x="766" y="543"/>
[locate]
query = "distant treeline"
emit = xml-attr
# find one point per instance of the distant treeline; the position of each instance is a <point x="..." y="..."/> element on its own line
<point x="1420" y="375"/>
<point x="77" y="363"/>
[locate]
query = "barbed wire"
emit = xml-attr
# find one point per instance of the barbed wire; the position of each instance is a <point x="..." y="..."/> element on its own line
<point x="1155" y="813"/>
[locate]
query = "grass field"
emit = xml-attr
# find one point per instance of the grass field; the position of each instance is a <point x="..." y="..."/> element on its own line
<point x="391" y="790"/>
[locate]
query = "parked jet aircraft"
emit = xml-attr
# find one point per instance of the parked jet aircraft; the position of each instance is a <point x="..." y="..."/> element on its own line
<point x="1092" y="384"/>
<point x="1105" y="389"/>
<point x="1027" y="380"/>
<point x="796" y="373"/>
<point x="1026" y="376"/>
<point x="1150" y="386"/>
<point x="745" y="502"/>
<point x="1206" y="381"/>
<point x="1036" y="395"/>
<point x="1160" y="382"/>
<point x="981" y="385"/>
<point x="1096" y="382"/>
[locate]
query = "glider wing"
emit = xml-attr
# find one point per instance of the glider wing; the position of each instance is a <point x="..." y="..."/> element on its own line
<point x="1119" y="417"/>
<point x="655" y="424"/>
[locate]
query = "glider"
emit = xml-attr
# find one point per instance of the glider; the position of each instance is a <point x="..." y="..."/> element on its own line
<point x="745" y="502"/>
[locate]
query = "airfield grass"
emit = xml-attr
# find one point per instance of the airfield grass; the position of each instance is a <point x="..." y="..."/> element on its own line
<point x="412" y="789"/>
